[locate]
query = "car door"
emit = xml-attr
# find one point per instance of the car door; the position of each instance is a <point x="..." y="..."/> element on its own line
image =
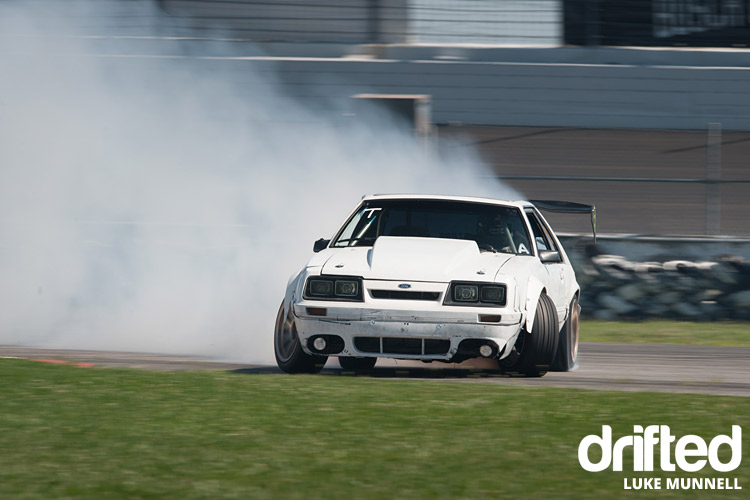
<point x="544" y="241"/>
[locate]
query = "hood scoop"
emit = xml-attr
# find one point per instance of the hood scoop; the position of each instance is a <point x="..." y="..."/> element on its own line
<point x="416" y="259"/>
<point x="403" y="255"/>
<point x="409" y="259"/>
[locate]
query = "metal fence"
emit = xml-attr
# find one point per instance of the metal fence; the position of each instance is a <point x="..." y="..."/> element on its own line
<point x="343" y="21"/>
<point x="691" y="23"/>
<point x="515" y="22"/>
<point x="712" y="23"/>
<point x="711" y="181"/>
<point x="718" y="23"/>
<point x="654" y="182"/>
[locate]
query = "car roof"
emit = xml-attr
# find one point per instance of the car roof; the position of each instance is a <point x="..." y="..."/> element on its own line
<point x="470" y="199"/>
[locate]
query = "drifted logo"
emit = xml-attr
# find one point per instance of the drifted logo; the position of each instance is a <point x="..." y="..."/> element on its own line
<point x="691" y="454"/>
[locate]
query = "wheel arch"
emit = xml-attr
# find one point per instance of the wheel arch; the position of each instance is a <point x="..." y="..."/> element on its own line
<point x="294" y="289"/>
<point x="534" y="290"/>
<point x="576" y="296"/>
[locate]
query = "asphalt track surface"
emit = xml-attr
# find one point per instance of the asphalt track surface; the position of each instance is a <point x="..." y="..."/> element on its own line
<point x="602" y="366"/>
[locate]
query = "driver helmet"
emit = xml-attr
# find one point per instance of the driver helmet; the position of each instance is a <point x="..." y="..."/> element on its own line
<point x="492" y="224"/>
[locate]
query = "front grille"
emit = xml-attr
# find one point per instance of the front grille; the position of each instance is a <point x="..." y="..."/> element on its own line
<point x="402" y="346"/>
<point x="367" y="344"/>
<point x="399" y="345"/>
<point x="436" y="346"/>
<point x="402" y="295"/>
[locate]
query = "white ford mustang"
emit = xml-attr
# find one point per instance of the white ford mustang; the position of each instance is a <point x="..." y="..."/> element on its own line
<point x="435" y="278"/>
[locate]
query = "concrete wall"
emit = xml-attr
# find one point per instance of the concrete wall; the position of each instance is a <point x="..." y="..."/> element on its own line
<point x="540" y="93"/>
<point x="554" y="87"/>
<point x="564" y="87"/>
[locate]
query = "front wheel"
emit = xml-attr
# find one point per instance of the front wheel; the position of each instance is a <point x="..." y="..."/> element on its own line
<point x="289" y="354"/>
<point x="567" y="351"/>
<point x="534" y="351"/>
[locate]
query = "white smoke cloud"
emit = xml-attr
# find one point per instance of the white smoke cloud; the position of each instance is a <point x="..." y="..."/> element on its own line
<point x="153" y="204"/>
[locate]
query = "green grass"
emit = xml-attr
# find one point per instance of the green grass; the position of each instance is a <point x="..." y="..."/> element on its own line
<point x="667" y="332"/>
<point x="68" y="432"/>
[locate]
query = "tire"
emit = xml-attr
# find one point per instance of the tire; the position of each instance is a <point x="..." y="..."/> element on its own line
<point x="567" y="350"/>
<point x="357" y="364"/>
<point x="286" y="346"/>
<point x="534" y="352"/>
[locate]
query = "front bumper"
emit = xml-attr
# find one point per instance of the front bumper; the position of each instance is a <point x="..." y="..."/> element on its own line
<point x="406" y="330"/>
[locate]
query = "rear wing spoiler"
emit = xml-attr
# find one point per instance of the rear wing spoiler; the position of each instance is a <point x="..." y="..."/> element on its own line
<point x="568" y="207"/>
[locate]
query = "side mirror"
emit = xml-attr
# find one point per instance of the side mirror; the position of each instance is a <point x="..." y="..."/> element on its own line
<point x="550" y="257"/>
<point x="321" y="244"/>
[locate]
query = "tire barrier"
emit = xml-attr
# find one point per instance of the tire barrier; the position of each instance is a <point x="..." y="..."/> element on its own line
<point x="616" y="287"/>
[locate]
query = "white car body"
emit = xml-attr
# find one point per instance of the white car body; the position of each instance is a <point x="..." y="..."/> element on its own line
<point x="406" y="310"/>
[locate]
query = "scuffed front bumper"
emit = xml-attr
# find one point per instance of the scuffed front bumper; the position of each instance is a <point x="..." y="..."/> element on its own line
<point x="406" y="329"/>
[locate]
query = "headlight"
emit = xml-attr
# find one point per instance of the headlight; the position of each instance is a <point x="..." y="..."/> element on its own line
<point x="346" y="288"/>
<point x="465" y="293"/>
<point x="325" y="288"/>
<point x="476" y="294"/>
<point x="320" y="288"/>
<point x="493" y="294"/>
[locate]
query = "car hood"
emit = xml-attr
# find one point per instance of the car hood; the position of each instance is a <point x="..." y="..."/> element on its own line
<point x="417" y="259"/>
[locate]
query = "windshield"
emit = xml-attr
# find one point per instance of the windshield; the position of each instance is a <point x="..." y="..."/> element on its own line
<point x="494" y="228"/>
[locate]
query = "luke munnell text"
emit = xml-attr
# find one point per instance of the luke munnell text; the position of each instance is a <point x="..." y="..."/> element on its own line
<point x="682" y="483"/>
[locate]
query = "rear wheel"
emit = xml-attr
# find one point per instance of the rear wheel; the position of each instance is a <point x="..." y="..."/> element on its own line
<point x="567" y="351"/>
<point x="356" y="364"/>
<point x="289" y="354"/>
<point x="534" y="351"/>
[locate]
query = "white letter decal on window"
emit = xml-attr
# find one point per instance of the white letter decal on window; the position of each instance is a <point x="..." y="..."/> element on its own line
<point x="371" y="211"/>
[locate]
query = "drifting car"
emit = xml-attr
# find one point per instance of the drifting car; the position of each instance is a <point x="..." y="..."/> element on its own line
<point x="435" y="278"/>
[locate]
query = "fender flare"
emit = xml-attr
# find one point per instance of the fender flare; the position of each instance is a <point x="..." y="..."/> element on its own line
<point x="293" y="290"/>
<point x="534" y="290"/>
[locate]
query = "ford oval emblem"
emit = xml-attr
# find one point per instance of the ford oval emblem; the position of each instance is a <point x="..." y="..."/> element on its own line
<point x="404" y="285"/>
